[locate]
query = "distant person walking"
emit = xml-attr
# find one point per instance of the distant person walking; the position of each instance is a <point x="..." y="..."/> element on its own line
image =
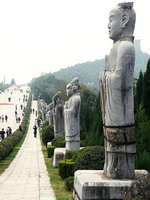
<point x="6" y="118"/>
<point x="35" y="130"/>
<point x="10" y="130"/>
<point x="7" y="131"/>
<point x="20" y="128"/>
<point x="15" y="112"/>
<point x="2" y="133"/>
<point x="2" y="118"/>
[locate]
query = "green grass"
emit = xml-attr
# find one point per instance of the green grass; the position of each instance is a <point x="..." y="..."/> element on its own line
<point x="57" y="182"/>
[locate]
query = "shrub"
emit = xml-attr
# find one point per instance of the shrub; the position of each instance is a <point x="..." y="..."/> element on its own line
<point x="50" y="151"/>
<point x="47" y="134"/>
<point x="59" y="141"/>
<point x="69" y="182"/>
<point x="73" y="154"/>
<point x="66" y="168"/>
<point x="90" y="158"/>
<point x="142" y="161"/>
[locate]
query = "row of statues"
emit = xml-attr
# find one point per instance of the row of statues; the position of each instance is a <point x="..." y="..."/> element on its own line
<point x="65" y="116"/>
<point x="116" y="91"/>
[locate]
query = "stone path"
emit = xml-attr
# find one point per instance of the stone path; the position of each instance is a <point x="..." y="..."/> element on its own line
<point x="27" y="178"/>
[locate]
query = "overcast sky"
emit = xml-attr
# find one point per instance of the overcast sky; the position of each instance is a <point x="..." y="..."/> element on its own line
<point x="45" y="35"/>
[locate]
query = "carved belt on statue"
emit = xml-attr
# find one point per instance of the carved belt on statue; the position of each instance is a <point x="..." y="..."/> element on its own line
<point x="120" y="135"/>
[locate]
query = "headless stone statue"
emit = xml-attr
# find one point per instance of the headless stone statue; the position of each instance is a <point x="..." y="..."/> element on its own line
<point x="58" y="115"/>
<point x="116" y="89"/>
<point x="72" y="116"/>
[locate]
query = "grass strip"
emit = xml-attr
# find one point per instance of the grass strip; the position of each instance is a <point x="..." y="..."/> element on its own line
<point x="57" y="182"/>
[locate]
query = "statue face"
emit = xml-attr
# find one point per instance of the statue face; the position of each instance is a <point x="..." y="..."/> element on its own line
<point x="115" y="24"/>
<point x="69" y="90"/>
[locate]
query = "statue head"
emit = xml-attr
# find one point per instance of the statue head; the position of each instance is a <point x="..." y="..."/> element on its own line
<point x="121" y="21"/>
<point x="57" y="98"/>
<point x="73" y="87"/>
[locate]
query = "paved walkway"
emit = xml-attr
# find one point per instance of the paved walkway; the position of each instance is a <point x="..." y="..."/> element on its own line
<point x="27" y="178"/>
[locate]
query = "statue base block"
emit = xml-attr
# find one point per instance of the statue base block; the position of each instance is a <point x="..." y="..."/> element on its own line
<point x="59" y="155"/>
<point x="94" y="185"/>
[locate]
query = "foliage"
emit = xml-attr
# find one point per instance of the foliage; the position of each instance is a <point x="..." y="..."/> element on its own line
<point x="146" y="89"/>
<point x="59" y="141"/>
<point x="47" y="134"/>
<point x="4" y="86"/>
<point x="45" y="86"/>
<point x="90" y="158"/>
<point x="69" y="183"/>
<point x="142" y="139"/>
<point x="139" y="90"/>
<point x="50" y="151"/>
<point x="142" y="161"/>
<point x="66" y="168"/>
<point x="73" y="154"/>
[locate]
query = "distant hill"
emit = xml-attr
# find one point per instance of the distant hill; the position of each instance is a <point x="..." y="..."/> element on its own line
<point x="88" y="72"/>
<point x="45" y="86"/>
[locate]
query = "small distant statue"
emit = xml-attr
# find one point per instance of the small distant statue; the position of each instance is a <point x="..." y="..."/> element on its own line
<point x="116" y="89"/>
<point x="72" y="115"/>
<point x="51" y="107"/>
<point x="44" y="105"/>
<point x="58" y="114"/>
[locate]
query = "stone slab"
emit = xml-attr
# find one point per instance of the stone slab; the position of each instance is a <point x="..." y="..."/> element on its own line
<point x="94" y="185"/>
<point x="59" y="155"/>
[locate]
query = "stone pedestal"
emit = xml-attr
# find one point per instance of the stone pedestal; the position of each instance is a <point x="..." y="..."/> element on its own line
<point x="59" y="155"/>
<point x="94" y="185"/>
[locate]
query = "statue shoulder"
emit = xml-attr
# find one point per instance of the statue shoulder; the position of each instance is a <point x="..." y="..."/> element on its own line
<point x="126" y="47"/>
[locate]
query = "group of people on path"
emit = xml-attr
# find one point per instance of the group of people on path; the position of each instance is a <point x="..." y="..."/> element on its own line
<point x="7" y="132"/>
<point x="3" y="118"/>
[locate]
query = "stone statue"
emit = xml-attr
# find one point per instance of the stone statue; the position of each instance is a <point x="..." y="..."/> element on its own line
<point x="43" y="110"/>
<point x="72" y="115"/>
<point x="58" y="114"/>
<point x="51" y="107"/>
<point x="116" y="89"/>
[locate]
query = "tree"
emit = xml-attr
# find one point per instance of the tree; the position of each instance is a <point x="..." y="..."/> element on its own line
<point x="12" y="82"/>
<point x="139" y="90"/>
<point x="146" y="89"/>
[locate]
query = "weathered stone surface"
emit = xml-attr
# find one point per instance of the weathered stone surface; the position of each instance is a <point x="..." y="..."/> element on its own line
<point x="116" y="89"/>
<point x="58" y="115"/>
<point x="59" y="155"/>
<point x="72" y="116"/>
<point x="51" y="106"/>
<point x="94" y="185"/>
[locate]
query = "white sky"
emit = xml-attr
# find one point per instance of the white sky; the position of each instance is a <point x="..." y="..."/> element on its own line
<point x="46" y="35"/>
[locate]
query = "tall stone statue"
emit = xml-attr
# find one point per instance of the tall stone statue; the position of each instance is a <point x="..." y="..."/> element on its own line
<point x="72" y="115"/>
<point x="116" y="88"/>
<point x="58" y="114"/>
